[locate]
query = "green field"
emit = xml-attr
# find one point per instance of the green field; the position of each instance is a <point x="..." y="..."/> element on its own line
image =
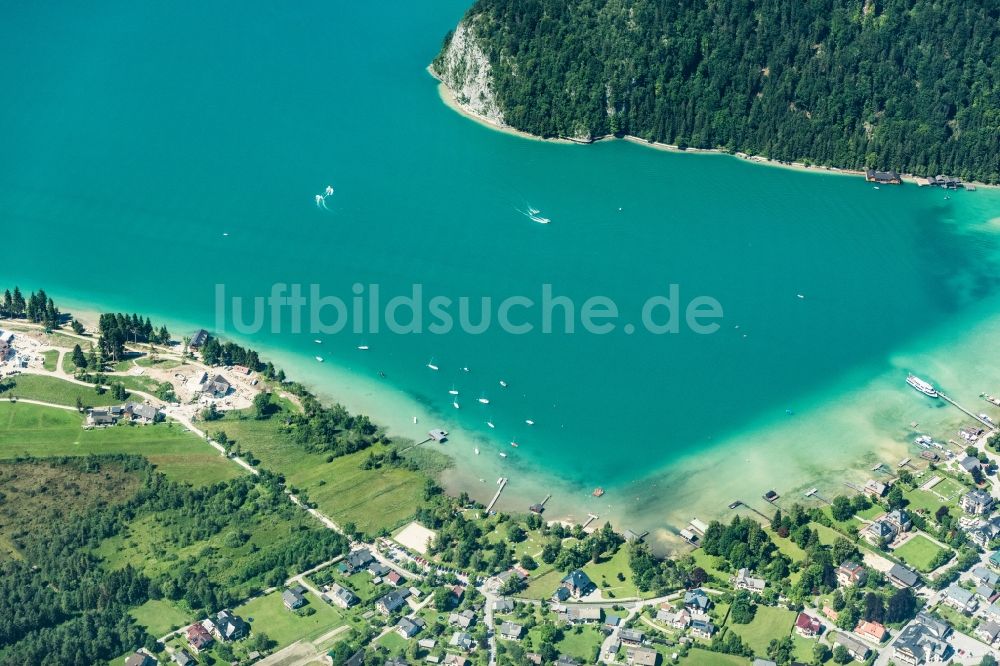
<point x="607" y="572"/>
<point x="542" y="583"/>
<point x="919" y="552"/>
<point x="787" y="546"/>
<point x="827" y="536"/>
<point x="284" y="626"/>
<point x="46" y="431"/>
<point x="50" y="359"/>
<point x="583" y="645"/>
<point x="710" y="564"/>
<point x="160" y="616"/>
<point x="55" y="390"/>
<point x="371" y="499"/>
<point x="161" y="363"/>
<point x="768" y="623"/>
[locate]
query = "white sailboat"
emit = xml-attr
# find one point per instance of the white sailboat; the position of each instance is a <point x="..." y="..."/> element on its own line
<point x="454" y="403"/>
<point x="503" y="383"/>
<point x="529" y="421"/>
<point x="453" y="390"/>
<point x="363" y="347"/>
<point x="490" y="424"/>
<point x="319" y="358"/>
<point x="432" y="365"/>
<point x="484" y="400"/>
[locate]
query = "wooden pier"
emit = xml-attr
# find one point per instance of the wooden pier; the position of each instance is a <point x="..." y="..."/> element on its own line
<point x="740" y="503"/>
<point x="503" y="484"/>
<point x="591" y="517"/>
<point x="984" y="422"/>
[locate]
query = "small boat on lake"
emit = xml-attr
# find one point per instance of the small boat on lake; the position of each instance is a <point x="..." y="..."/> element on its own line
<point x="465" y="368"/>
<point x="319" y="358"/>
<point x="490" y="424"/>
<point x="432" y="365"/>
<point x="514" y="444"/>
<point x="453" y="391"/>
<point x="363" y="347"/>
<point x="454" y="403"/>
<point x="319" y="342"/>
<point x="529" y="421"/>
<point x="503" y="383"/>
<point x="484" y="400"/>
<point x="476" y="450"/>
<point x="503" y="455"/>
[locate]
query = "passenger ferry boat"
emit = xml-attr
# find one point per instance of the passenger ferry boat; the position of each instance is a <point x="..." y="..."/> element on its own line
<point x="922" y="386"/>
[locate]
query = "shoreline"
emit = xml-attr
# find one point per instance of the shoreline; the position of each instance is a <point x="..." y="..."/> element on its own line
<point x="664" y="499"/>
<point x="447" y="96"/>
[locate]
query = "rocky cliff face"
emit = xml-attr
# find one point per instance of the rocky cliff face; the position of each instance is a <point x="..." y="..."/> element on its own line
<point x="464" y="67"/>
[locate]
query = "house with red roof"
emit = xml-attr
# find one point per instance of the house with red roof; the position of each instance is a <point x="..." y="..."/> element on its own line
<point x="808" y="626"/>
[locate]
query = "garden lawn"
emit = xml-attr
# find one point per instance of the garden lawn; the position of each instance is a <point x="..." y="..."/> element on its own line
<point x="608" y="570"/>
<point x="787" y="546"/>
<point x="827" y="535"/>
<point x="918" y="552"/>
<point x="768" y="623"/>
<point x="284" y="626"/>
<point x="47" y="431"/>
<point x="543" y="583"/>
<point x="583" y="645"/>
<point x="699" y="657"/>
<point x="55" y="390"/>
<point x="160" y="616"/>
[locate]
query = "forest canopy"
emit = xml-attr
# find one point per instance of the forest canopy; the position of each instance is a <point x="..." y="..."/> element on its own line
<point x="909" y="85"/>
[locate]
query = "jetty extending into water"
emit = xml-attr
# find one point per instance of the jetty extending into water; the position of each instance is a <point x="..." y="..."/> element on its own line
<point x="502" y="482"/>
<point x="979" y="419"/>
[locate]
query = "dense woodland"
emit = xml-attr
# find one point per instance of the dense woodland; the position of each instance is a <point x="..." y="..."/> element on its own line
<point x="910" y="85"/>
<point x="60" y="604"/>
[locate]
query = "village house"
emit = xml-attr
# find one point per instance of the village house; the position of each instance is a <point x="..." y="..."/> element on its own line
<point x="702" y="629"/>
<point x="850" y="573"/>
<point x="218" y="387"/>
<point x="198" y="340"/>
<point x="673" y="618"/>
<point x="462" y="641"/>
<point x="452" y="659"/>
<point x="984" y="532"/>
<point x="899" y="520"/>
<point x="697" y="600"/>
<point x="140" y="659"/>
<point x="577" y="584"/>
<point x="977" y="502"/>
<point x="641" y="656"/>
<point x="960" y="599"/>
<point x="988" y="632"/>
<point x="340" y="596"/>
<point x="744" y="581"/>
<point x="465" y="619"/>
<point x="426" y="643"/>
<point x="631" y="636"/>
<point x="611" y="622"/>
<point x="394" y="578"/>
<point x="566" y="660"/>
<point x="100" y="417"/>
<point x="408" y="628"/>
<point x="582" y="614"/>
<point x="807" y="626"/>
<point x="392" y="601"/>
<point x="293" y="597"/>
<point x="873" y="631"/>
<point x="199" y="637"/>
<point x="968" y="463"/>
<point x="879" y="531"/>
<point x="396" y="661"/>
<point x="902" y="577"/>
<point x="503" y="606"/>
<point x="511" y="631"/>
<point x="763" y="662"/>
<point x="356" y="561"/>
<point x="921" y="641"/>
<point x="858" y="650"/>
<point x="229" y="626"/>
<point x="181" y="657"/>
<point x="984" y="576"/>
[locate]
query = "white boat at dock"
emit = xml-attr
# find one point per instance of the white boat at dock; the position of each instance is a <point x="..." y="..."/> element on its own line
<point x="922" y="386"/>
<point x="985" y="418"/>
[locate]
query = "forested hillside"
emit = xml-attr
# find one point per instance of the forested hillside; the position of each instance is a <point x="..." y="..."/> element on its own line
<point x="911" y="85"/>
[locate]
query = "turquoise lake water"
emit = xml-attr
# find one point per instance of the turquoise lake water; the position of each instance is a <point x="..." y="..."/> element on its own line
<point x="136" y="136"/>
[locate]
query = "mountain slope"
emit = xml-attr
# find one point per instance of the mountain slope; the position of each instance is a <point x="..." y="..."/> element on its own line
<point x="912" y="85"/>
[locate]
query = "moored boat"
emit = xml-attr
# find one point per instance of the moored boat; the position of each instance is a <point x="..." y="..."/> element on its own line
<point x="922" y="386"/>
